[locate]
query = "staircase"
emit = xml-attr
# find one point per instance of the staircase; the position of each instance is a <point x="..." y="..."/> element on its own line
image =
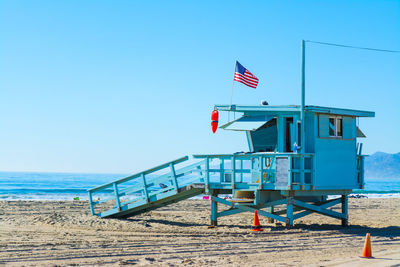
<point x="147" y="190"/>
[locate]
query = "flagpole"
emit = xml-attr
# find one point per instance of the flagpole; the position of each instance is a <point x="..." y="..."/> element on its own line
<point x="233" y="83"/>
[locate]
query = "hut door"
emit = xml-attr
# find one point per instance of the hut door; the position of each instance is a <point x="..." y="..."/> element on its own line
<point x="288" y="134"/>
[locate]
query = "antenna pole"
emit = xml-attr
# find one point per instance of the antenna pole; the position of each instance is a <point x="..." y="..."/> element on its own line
<point x="303" y="93"/>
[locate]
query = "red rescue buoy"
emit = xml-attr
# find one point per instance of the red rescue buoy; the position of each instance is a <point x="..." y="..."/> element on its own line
<point x="214" y="120"/>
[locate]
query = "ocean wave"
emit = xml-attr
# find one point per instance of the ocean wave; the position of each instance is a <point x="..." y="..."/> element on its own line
<point x="363" y="191"/>
<point x="41" y="197"/>
<point x="23" y="191"/>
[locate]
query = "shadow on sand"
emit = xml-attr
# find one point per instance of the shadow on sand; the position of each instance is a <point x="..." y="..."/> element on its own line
<point x="358" y="230"/>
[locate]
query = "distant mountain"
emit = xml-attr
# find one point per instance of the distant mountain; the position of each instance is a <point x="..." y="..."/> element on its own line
<point x="381" y="165"/>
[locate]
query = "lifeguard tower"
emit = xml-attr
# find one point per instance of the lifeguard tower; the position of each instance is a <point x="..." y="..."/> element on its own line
<point x="305" y="159"/>
<point x="273" y="172"/>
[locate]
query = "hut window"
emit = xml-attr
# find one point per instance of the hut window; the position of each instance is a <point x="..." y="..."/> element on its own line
<point x="335" y="126"/>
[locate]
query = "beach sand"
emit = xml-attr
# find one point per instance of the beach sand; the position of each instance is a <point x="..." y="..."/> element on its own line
<point x="64" y="233"/>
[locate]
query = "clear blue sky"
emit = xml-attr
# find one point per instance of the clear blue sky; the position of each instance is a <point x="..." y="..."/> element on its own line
<point x="118" y="86"/>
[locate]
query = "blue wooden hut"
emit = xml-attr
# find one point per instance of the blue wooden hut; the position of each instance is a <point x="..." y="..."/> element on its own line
<point x="304" y="159"/>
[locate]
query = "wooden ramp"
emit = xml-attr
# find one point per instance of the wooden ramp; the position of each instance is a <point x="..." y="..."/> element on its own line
<point x="147" y="190"/>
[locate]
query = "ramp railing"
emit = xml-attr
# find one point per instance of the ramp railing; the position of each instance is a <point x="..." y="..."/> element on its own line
<point x="143" y="187"/>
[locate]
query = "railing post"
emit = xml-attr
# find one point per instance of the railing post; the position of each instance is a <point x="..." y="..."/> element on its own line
<point x="261" y="172"/>
<point x="233" y="171"/>
<point x="302" y="170"/>
<point x="314" y="161"/>
<point x="117" y="202"/>
<point x="173" y="176"/>
<point x="221" y="169"/>
<point x="273" y="174"/>
<point x="91" y="203"/>
<point x="241" y="171"/>
<point x="290" y="174"/>
<point x="146" y="193"/>
<point x="207" y="180"/>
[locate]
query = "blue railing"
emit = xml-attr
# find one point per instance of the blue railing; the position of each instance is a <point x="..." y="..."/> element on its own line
<point x="143" y="187"/>
<point x="274" y="171"/>
<point x="252" y="171"/>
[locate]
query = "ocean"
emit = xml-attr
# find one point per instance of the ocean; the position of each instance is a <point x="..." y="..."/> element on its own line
<point x="67" y="186"/>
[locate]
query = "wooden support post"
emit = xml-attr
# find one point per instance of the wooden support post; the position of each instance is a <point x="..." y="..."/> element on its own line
<point x="221" y="174"/>
<point x="207" y="180"/>
<point x="289" y="212"/>
<point x="233" y="173"/>
<point x="345" y="222"/>
<point x="214" y="209"/>
<point x="117" y="202"/>
<point x="270" y="210"/>
<point x="91" y="203"/>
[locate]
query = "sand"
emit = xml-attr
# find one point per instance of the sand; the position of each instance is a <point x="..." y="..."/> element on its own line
<point x="43" y="233"/>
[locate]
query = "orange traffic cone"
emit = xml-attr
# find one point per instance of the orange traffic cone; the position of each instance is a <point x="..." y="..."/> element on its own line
<point x="256" y="226"/>
<point x="367" y="253"/>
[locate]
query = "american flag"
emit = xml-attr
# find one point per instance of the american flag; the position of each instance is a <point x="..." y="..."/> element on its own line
<point x="244" y="76"/>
